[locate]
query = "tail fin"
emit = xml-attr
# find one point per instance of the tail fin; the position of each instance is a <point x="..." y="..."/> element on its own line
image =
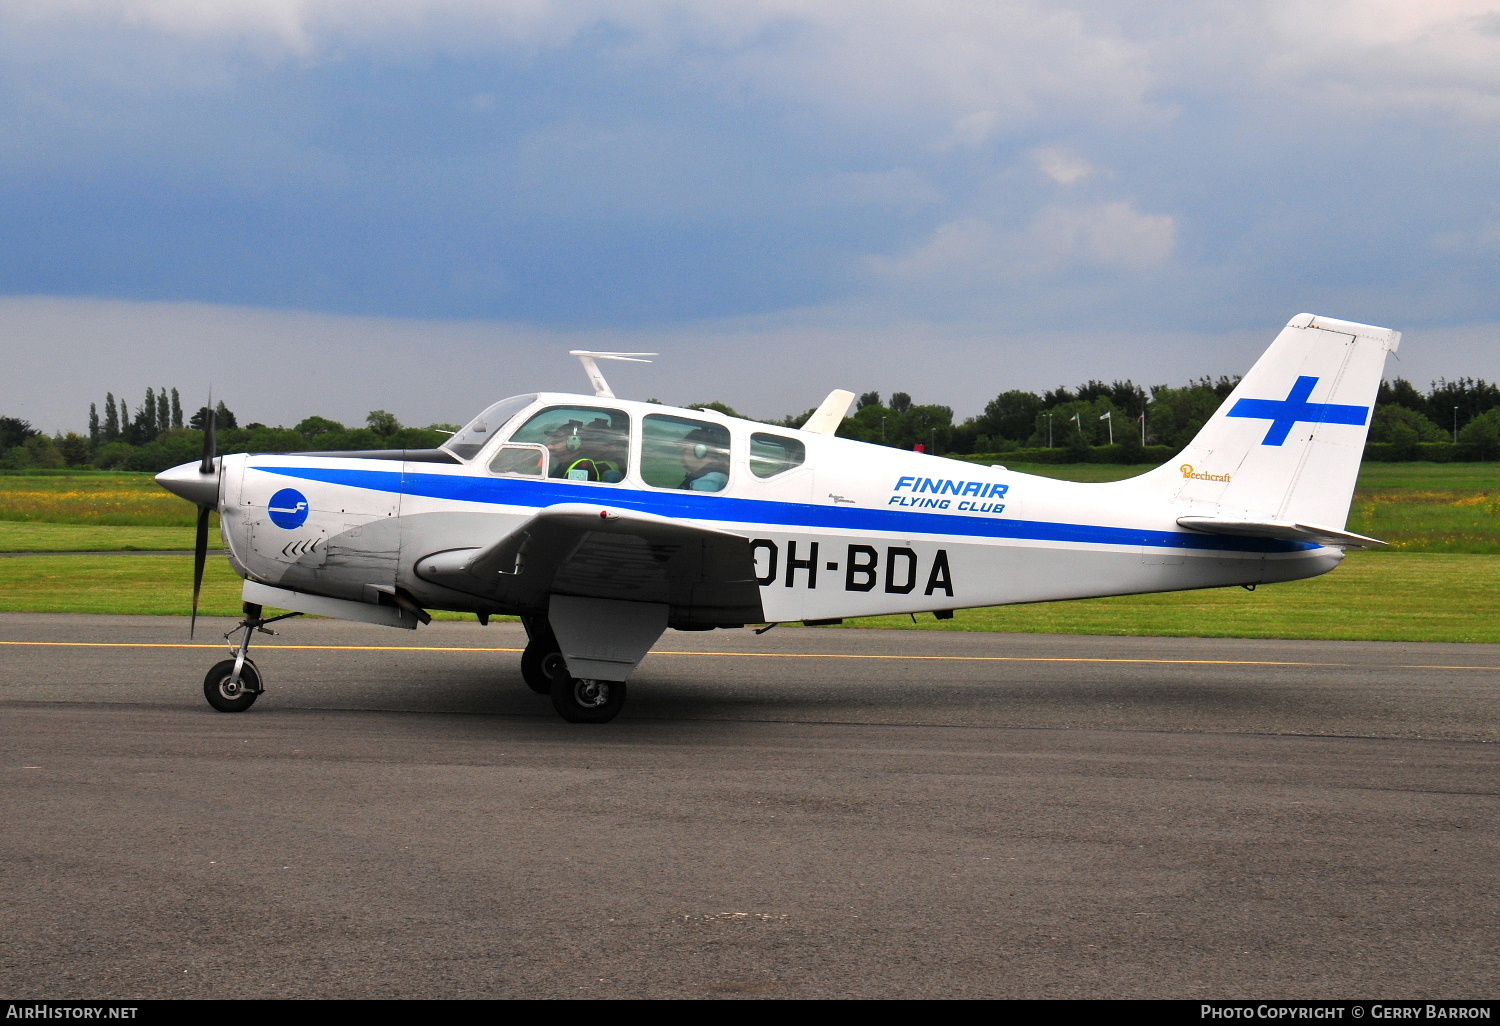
<point x="1287" y="443"/>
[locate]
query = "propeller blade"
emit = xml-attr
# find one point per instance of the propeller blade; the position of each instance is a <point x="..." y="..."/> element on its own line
<point x="210" y="441"/>
<point x="200" y="557"/>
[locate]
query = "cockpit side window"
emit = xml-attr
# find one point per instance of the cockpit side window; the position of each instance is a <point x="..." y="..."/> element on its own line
<point x="478" y="432"/>
<point x="677" y="452"/>
<point x="583" y="443"/>
<point x="775" y="454"/>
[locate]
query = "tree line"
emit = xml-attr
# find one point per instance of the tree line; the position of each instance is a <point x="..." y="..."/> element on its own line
<point x="1124" y="420"/>
<point x="155" y="436"/>
<point x="1117" y="422"/>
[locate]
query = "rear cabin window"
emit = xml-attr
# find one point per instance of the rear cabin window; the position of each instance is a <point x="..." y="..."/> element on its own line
<point x="774" y="454"/>
<point x="581" y="443"/>
<point x="678" y="452"/>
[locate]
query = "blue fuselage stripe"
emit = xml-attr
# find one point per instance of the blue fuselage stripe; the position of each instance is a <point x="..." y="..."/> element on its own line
<point x="772" y="514"/>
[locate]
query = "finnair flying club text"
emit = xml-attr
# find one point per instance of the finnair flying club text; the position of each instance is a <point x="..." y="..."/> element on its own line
<point x="926" y="492"/>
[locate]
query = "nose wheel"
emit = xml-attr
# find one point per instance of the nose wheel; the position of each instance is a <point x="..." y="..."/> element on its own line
<point x="233" y="685"/>
<point x="228" y="694"/>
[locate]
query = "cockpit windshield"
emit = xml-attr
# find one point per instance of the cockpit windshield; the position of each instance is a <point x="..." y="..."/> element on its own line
<point x="467" y="443"/>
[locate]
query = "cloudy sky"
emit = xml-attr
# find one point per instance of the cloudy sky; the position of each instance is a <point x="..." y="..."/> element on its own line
<point x="334" y="205"/>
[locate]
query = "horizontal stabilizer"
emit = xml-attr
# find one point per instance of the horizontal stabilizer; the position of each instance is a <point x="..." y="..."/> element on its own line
<point x="1281" y="530"/>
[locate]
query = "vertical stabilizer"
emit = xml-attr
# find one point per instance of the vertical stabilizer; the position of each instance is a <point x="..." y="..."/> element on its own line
<point x="1287" y="443"/>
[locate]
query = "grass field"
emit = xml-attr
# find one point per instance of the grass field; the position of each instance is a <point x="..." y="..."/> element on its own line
<point x="93" y="511"/>
<point x="1417" y="507"/>
<point x="1439" y="582"/>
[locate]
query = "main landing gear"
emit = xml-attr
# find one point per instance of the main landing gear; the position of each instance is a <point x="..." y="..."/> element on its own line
<point x="576" y="699"/>
<point x="233" y="685"/>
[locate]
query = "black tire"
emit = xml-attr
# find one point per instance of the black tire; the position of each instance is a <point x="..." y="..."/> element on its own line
<point x="580" y="700"/>
<point x="539" y="665"/>
<point x="216" y="686"/>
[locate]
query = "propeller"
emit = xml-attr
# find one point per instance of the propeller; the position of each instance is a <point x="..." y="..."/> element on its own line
<point x="200" y="543"/>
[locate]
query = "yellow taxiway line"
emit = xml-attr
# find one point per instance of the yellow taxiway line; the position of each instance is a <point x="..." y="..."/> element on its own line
<point x="774" y="655"/>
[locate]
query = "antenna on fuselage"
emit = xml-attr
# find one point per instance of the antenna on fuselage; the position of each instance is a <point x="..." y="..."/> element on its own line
<point x="596" y="378"/>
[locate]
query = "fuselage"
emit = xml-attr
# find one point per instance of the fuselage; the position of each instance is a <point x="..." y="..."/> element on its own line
<point x="837" y="528"/>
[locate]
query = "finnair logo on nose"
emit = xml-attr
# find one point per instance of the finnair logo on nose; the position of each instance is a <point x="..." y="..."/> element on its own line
<point x="288" y="509"/>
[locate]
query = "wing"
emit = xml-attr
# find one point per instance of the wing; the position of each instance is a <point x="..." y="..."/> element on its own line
<point x="706" y="577"/>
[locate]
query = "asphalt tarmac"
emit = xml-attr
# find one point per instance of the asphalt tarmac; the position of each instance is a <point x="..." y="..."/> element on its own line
<point x="814" y="812"/>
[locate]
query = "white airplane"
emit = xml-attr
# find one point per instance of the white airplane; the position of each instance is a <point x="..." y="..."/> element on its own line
<point x="602" y="522"/>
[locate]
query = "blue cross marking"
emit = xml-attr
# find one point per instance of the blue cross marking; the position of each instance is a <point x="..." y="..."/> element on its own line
<point x="1284" y="414"/>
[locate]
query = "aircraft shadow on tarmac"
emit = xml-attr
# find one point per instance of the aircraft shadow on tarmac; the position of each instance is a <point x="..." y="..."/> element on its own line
<point x="1170" y="698"/>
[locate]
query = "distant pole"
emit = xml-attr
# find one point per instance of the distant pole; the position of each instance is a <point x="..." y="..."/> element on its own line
<point x="882" y="430"/>
<point x="1049" y="429"/>
<point x="1455" y="425"/>
<point x="933" y="447"/>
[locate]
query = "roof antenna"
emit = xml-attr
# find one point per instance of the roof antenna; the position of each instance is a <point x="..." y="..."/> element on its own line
<point x="596" y="379"/>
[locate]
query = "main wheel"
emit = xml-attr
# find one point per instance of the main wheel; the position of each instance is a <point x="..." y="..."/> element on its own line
<point x="539" y="665"/>
<point x="223" y="694"/>
<point x="583" y="700"/>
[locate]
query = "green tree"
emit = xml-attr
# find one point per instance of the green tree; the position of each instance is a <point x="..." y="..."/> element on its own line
<point x="1400" y="392"/>
<point x="14" y="431"/>
<point x="74" y="448"/>
<point x="93" y="424"/>
<point x="312" y="427"/>
<point x="1404" y="427"/>
<point x="1481" y="436"/>
<point x="1469" y="397"/>
<point x="176" y="411"/>
<point x="383" y="423"/>
<point x="868" y="399"/>
<point x="1175" y="415"/>
<point x="1010" y="415"/>
<point x="44" y="454"/>
<point x="224" y="418"/>
<point x="111" y="418"/>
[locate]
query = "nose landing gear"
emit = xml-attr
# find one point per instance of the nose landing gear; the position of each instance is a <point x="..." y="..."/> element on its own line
<point x="233" y="685"/>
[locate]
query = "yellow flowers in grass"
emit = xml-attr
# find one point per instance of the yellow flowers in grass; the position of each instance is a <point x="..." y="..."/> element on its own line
<point x="121" y="500"/>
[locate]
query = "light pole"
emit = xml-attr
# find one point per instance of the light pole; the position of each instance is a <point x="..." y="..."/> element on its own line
<point x="1455" y="425"/>
<point x="882" y="430"/>
<point x="1049" y="429"/>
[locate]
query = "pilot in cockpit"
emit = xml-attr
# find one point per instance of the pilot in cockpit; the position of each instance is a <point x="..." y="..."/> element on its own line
<point x="588" y="452"/>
